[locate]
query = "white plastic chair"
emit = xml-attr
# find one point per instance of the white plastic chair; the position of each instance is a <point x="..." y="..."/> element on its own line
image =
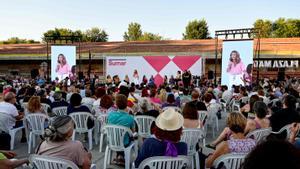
<point x="115" y="138"/>
<point x="24" y="106"/>
<point x="173" y="107"/>
<point x="81" y="119"/>
<point x="35" y="124"/>
<point x="202" y="115"/>
<point x="5" y="119"/>
<point x="59" y="111"/>
<point x="287" y="129"/>
<point x="100" y="123"/>
<point x="212" y="119"/>
<point x="163" y="162"/>
<point x="48" y="162"/>
<point x="144" y="125"/>
<point x="45" y="107"/>
<point x="231" y="161"/>
<point x="244" y="99"/>
<point x="259" y="134"/>
<point x="192" y="137"/>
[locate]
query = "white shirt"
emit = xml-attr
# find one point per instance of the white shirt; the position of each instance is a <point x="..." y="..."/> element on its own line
<point x="11" y="110"/>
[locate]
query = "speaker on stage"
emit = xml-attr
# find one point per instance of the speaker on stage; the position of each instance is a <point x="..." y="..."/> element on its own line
<point x="34" y="73"/>
<point x="281" y="74"/>
<point x="210" y="75"/>
<point x="80" y="75"/>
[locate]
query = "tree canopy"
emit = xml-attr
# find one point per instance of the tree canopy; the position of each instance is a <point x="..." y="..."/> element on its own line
<point x="281" y="28"/>
<point x="196" y="29"/>
<point x="91" y="35"/>
<point x="135" y="33"/>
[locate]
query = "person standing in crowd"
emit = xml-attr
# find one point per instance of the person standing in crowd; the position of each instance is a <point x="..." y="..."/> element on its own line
<point x="235" y="69"/>
<point x="186" y="79"/>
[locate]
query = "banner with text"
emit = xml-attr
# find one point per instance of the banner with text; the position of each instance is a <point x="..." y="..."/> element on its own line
<point x="156" y="66"/>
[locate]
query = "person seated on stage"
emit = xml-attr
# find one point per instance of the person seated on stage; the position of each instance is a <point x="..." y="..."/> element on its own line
<point x="58" y="143"/>
<point x="166" y="138"/>
<point x="237" y="143"/>
<point x="6" y="163"/>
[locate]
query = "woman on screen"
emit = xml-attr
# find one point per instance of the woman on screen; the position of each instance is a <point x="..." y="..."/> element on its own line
<point x="62" y="68"/>
<point x="235" y="68"/>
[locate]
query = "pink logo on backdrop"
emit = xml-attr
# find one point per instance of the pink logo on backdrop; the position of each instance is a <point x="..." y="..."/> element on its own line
<point x="160" y="62"/>
<point x="185" y="62"/>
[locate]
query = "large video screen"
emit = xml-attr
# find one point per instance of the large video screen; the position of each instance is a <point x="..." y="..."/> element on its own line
<point x="63" y="62"/>
<point x="237" y="62"/>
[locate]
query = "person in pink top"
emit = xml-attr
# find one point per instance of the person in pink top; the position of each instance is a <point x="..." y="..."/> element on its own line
<point x="235" y="68"/>
<point x="62" y="68"/>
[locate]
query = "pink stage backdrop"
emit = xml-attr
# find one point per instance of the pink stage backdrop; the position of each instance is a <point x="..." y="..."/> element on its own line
<point x="158" y="66"/>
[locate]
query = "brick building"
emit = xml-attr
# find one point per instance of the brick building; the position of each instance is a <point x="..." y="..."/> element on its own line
<point x="23" y="58"/>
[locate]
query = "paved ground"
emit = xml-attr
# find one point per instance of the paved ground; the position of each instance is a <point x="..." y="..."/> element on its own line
<point x="21" y="148"/>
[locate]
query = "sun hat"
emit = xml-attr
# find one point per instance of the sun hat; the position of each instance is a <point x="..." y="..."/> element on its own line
<point x="169" y="120"/>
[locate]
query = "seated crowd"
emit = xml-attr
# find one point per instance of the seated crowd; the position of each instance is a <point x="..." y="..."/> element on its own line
<point x="269" y="105"/>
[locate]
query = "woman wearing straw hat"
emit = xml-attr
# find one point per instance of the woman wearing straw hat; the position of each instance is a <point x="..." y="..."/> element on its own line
<point x="165" y="139"/>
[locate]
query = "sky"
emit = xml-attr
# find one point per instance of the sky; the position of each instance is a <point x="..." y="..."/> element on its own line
<point x="31" y="18"/>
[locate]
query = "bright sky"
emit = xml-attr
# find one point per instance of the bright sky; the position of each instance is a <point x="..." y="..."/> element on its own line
<point x="30" y="18"/>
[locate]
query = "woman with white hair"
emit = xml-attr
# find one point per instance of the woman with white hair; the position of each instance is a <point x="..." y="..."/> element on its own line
<point x="58" y="143"/>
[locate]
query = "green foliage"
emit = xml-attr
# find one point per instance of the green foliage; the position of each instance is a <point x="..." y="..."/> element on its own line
<point x="133" y="33"/>
<point x="91" y="35"/>
<point x="147" y="36"/>
<point x="96" y="35"/>
<point x="265" y="27"/>
<point x="196" y="29"/>
<point x="281" y="28"/>
<point x="16" y="40"/>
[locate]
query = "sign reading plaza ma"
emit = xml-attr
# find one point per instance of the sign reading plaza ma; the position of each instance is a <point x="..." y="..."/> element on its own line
<point x="277" y="63"/>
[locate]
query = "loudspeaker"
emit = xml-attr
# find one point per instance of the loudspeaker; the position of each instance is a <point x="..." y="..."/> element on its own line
<point x="210" y="74"/>
<point x="34" y="73"/>
<point x="80" y="75"/>
<point x="281" y="74"/>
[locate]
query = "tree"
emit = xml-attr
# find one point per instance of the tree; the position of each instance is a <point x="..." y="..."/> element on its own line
<point x="134" y="32"/>
<point x="16" y="40"/>
<point x="265" y="27"/>
<point x="96" y="35"/>
<point x="196" y="29"/>
<point x="150" y="36"/>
